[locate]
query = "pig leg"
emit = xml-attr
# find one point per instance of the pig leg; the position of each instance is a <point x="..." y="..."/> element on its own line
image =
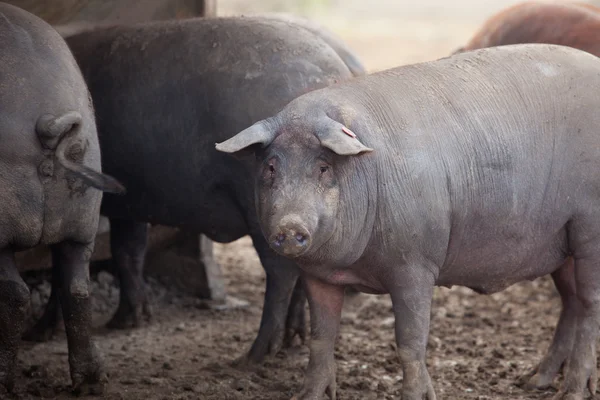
<point x="72" y="259"/>
<point x="282" y="275"/>
<point x="46" y="326"/>
<point x="296" y="319"/>
<point x="128" y="240"/>
<point x="14" y="300"/>
<point x="564" y="335"/>
<point x="325" y="302"/>
<point x="411" y="299"/>
<point x="580" y="368"/>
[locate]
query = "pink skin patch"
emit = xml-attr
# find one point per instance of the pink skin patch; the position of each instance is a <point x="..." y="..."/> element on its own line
<point x="348" y="132"/>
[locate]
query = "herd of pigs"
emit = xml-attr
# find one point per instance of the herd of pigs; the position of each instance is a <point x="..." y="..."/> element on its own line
<point x="481" y="169"/>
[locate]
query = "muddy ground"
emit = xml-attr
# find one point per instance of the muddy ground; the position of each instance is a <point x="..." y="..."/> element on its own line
<point x="478" y="345"/>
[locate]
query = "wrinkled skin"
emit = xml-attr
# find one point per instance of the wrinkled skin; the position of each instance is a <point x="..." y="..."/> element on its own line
<point x="479" y="170"/>
<point x="164" y="93"/>
<point x="49" y="158"/>
<point x="569" y="24"/>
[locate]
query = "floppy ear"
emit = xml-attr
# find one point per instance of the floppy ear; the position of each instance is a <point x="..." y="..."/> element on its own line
<point x="339" y="139"/>
<point x="259" y="133"/>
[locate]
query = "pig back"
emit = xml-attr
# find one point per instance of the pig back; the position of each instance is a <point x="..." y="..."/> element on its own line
<point x="500" y="134"/>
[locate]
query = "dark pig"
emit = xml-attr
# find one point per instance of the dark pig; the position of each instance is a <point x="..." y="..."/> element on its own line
<point x="49" y="159"/>
<point x="164" y="93"/>
<point x="341" y="48"/>
<point x="480" y="170"/>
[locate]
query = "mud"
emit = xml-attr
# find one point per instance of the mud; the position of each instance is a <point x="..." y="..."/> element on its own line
<point x="478" y="345"/>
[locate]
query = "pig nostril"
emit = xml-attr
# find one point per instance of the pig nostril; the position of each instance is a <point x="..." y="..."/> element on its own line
<point x="301" y="238"/>
<point x="279" y="239"/>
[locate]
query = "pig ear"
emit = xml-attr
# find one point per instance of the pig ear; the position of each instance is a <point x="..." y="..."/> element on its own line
<point x="339" y="139"/>
<point x="458" y="51"/>
<point x="259" y="133"/>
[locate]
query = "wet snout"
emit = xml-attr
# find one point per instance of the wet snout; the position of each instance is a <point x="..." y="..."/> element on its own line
<point x="290" y="237"/>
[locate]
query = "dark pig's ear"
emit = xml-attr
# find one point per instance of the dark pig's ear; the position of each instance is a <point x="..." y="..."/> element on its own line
<point x="259" y="133"/>
<point x="458" y="51"/>
<point x="339" y="139"/>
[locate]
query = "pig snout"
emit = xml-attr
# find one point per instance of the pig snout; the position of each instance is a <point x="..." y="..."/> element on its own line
<point x="290" y="237"/>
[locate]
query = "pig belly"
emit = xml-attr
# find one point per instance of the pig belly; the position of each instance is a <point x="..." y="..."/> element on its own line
<point x="494" y="268"/>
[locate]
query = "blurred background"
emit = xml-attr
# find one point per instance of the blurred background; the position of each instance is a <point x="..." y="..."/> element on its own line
<point x="388" y="33"/>
<point x="384" y="33"/>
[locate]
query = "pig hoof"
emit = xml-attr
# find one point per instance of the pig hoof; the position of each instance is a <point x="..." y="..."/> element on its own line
<point x="89" y="389"/>
<point x="242" y="361"/>
<point x="534" y="380"/>
<point x="430" y="395"/>
<point x="568" y="396"/>
<point x="7" y="381"/>
<point x="266" y="344"/>
<point x="417" y="382"/>
<point x="123" y="322"/>
<point x="314" y="395"/>
<point x="126" y="318"/>
<point x="296" y="326"/>
<point x="92" y="384"/>
<point x="39" y="334"/>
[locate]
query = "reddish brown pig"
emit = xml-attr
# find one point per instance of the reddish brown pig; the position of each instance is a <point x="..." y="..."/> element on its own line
<point x="569" y="24"/>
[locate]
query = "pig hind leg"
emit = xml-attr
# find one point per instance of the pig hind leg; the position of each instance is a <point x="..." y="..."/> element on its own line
<point x="14" y="301"/>
<point x="564" y="335"/>
<point x="128" y="241"/>
<point x="580" y="366"/>
<point x="72" y="261"/>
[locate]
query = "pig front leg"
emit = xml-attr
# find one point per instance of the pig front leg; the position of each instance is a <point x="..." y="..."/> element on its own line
<point x="128" y="242"/>
<point x="14" y="300"/>
<point x="296" y="319"/>
<point x="325" y="302"/>
<point x="283" y="309"/>
<point x="72" y="260"/>
<point x="411" y="294"/>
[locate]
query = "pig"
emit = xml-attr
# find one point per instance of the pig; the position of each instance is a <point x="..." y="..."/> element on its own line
<point x="479" y="169"/>
<point x="568" y="24"/>
<point x="164" y="92"/>
<point x="341" y="48"/>
<point x="49" y="163"/>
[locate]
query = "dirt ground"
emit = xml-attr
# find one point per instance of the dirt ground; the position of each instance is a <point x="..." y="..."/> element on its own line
<point x="478" y="344"/>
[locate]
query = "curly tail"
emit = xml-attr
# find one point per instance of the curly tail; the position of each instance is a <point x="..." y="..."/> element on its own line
<point x="52" y="133"/>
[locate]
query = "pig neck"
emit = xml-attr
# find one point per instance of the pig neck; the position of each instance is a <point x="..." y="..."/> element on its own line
<point x="353" y="227"/>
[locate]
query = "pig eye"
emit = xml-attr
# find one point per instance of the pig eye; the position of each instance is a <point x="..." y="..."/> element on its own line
<point x="271" y="168"/>
<point x="324" y="168"/>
